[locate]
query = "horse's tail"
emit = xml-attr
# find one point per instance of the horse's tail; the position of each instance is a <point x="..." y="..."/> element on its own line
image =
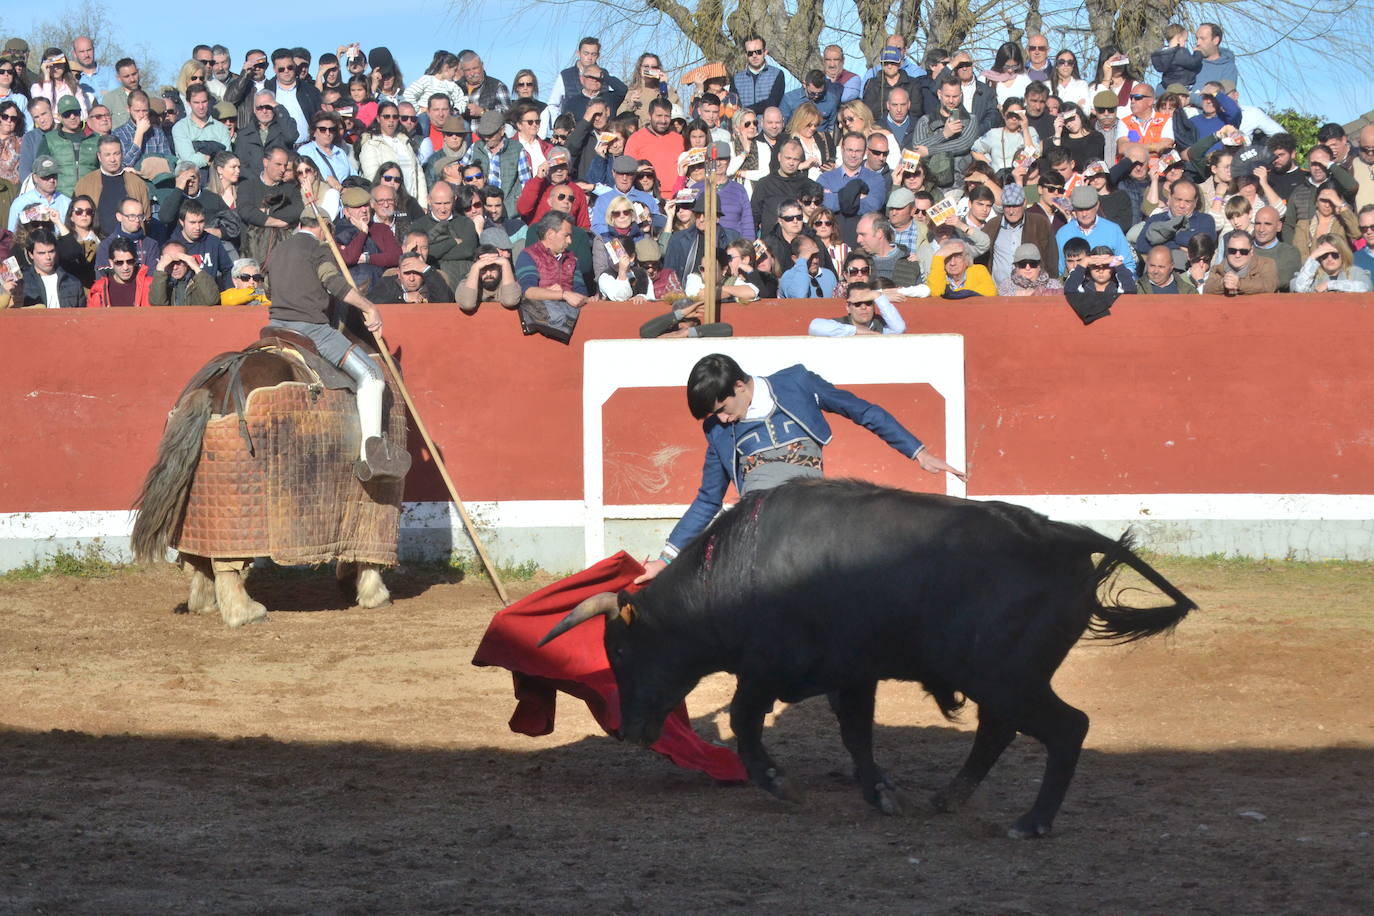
<point x="162" y="501"/>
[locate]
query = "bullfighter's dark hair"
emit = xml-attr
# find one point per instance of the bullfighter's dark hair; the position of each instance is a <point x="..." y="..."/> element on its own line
<point x="711" y="381"/>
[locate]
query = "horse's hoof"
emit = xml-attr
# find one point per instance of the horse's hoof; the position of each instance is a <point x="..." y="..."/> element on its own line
<point x="252" y="613"/>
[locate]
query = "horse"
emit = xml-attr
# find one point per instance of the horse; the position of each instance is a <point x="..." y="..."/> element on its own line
<point x="231" y="381"/>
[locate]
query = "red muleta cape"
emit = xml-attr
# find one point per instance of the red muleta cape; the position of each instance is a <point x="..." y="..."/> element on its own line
<point x="576" y="664"/>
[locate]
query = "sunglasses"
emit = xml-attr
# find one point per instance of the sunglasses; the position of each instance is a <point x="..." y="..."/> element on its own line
<point x="622" y="213"/>
<point x="71" y="114"/>
<point x="754" y="53"/>
<point x="809" y="201"/>
<point x="524" y="84"/>
<point x="1027" y="263"/>
<point x="123" y="262"/>
<point x="561" y="198"/>
<point x="1328" y="256"/>
<point x="1137" y="97"/>
<point x="822" y="222"/>
<point x="1099" y="267"/>
<point x="1367" y="227"/>
<point x="12" y="118"/>
<point x="6" y="71"/>
<point x="1051" y="187"/>
<point x="790" y="219"/>
<point x="856" y="271"/>
<point x="82" y="211"/>
<point x="529" y="120"/>
<point x="326" y="127"/>
<point x="877" y="152"/>
<point x="473" y="176"/>
<point x="388" y="117"/>
<point x="1037" y="47"/>
<point x="290" y="68"/>
<point x="1063" y="63"/>
<point x="256" y="278"/>
<point x="264" y="107"/>
<point x="1230" y="250"/>
<point x="747" y="123"/>
<point x="393" y="179"/>
<point x="411" y="118"/>
<point x="1367" y="150"/>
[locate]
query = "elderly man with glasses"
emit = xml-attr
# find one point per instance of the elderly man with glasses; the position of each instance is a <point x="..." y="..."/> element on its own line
<point x="1364" y="257"/>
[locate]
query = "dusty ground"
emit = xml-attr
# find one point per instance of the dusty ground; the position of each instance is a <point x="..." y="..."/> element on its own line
<point x="355" y="762"/>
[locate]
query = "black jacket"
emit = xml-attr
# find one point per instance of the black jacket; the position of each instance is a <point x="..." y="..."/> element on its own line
<point x="70" y="295"/>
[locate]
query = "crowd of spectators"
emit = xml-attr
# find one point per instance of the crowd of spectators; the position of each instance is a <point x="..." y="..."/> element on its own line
<point x="916" y="178"/>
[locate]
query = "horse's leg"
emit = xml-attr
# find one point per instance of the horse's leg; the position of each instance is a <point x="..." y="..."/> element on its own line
<point x="372" y="591"/>
<point x="201" y="599"/>
<point x="234" y="604"/>
<point x="345" y="575"/>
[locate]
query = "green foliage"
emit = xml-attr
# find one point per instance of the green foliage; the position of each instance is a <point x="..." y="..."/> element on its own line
<point x="1303" y="127"/>
<point x="90" y="562"/>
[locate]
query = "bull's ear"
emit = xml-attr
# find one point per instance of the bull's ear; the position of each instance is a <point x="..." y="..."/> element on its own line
<point x="594" y="606"/>
<point x="627" y="613"/>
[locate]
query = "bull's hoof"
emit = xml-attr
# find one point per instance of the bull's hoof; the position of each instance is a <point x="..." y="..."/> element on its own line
<point x="888" y="800"/>
<point x="251" y="612"/>
<point x="1028" y="828"/>
<point x="945" y="802"/>
<point x="777" y="783"/>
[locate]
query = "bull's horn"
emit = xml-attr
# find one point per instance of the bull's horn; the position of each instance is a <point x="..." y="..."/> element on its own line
<point x="597" y="605"/>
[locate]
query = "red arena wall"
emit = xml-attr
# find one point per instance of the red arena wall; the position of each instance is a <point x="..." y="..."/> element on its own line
<point x="1168" y="395"/>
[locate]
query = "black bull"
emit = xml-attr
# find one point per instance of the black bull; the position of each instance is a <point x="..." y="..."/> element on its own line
<point x="831" y="586"/>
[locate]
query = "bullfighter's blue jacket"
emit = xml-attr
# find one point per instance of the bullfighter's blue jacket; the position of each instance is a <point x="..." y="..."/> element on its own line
<point x="802" y="397"/>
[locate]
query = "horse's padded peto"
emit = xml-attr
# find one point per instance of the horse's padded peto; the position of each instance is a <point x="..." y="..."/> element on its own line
<point x="295" y="498"/>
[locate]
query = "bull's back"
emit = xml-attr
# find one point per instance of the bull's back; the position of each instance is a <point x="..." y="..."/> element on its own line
<point x="833" y="581"/>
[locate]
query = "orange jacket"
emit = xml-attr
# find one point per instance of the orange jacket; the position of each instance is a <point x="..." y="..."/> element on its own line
<point x="99" y="297"/>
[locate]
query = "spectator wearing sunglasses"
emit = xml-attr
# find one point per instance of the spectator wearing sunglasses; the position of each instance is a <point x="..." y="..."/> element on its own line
<point x="759" y="85"/>
<point x="300" y="99"/>
<point x="1331" y="269"/>
<point x="1241" y="272"/>
<point x="242" y="90"/>
<point x="125" y="282"/>
<point x="248" y="288"/>
<point x="867" y="310"/>
<point x="329" y="155"/>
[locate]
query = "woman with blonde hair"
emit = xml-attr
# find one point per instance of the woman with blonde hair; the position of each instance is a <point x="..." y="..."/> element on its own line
<point x="856" y="116"/>
<point x="818" y="149"/>
<point x="1333" y="217"/>
<point x="1331" y="269"/>
<point x="190" y="72"/>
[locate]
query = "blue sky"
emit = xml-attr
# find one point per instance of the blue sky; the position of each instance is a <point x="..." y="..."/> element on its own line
<point x="412" y="29"/>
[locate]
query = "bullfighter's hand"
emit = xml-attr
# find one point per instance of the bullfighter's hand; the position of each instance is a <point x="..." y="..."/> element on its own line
<point x="929" y="461"/>
<point x="651" y="568"/>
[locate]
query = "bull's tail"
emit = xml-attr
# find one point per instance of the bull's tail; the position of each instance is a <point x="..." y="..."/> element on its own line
<point x="162" y="501"/>
<point x="1120" y="623"/>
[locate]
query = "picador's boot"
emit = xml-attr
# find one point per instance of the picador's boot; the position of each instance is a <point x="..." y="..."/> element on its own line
<point x="381" y="461"/>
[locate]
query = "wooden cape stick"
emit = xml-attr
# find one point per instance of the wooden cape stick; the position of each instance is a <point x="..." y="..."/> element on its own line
<point x="708" y="242"/>
<point x="419" y="423"/>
